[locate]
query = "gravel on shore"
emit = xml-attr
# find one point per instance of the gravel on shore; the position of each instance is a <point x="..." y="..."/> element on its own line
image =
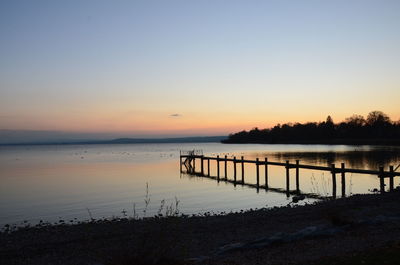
<point x="198" y="240"/>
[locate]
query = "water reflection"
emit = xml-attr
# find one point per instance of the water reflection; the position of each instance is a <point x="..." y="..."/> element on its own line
<point x="353" y="159"/>
<point x="49" y="182"/>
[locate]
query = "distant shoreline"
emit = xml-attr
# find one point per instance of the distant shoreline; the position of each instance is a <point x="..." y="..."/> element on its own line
<point x="214" y="139"/>
<point x="199" y="139"/>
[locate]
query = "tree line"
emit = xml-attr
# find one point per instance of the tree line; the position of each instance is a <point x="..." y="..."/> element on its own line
<point x="376" y="128"/>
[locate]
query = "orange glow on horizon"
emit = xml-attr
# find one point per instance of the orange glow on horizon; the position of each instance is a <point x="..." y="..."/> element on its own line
<point x="154" y="123"/>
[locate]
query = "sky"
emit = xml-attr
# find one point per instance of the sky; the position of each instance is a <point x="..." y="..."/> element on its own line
<point x="152" y="68"/>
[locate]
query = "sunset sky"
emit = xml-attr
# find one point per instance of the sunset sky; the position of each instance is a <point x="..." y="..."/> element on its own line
<point x="194" y="67"/>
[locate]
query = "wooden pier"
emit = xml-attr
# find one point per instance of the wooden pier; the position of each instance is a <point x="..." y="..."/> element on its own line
<point x="188" y="159"/>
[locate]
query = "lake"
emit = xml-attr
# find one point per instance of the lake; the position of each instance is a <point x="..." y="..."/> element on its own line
<point x="74" y="182"/>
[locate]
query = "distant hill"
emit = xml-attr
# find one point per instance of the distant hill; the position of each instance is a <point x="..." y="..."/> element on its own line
<point x="199" y="139"/>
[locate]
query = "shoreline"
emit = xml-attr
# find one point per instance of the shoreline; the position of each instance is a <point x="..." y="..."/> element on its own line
<point x="356" y="142"/>
<point x="189" y="240"/>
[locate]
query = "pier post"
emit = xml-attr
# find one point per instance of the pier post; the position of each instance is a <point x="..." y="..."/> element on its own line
<point x="242" y="169"/>
<point x="208" y="166"/>
<point x="194" y="164"/>
<point x="343" y="181"/>
<point x="234" y="168"/>
<point x="287" y="179"/>
<point x="391" y="178"/>
<point x="180" y="162"/>
<point x="297" y="177"/>
<point x="226" y="170"/>
<point x="202" y="165"/>
<point x="258" y="172"/>
<point x="266" y="173"/>
<point x="381" y="180"/>
<point x="218" y="167"/>
<point x="333" y="181"/>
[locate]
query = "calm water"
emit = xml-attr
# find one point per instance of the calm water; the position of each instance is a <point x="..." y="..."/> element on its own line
<point x="53" y="182"/>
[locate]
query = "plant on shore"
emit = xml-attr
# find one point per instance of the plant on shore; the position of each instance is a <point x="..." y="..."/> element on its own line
<point x="164" y="210"/>
<point x="90" y="214"/>
<point x="146" y="200"/>
<point x="173" y="209"/>
<point x="324" y="185"/>
<point x="135" y="215"/>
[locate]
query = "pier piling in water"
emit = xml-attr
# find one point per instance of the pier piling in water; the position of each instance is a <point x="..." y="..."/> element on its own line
<point x="234" y="168"/>
<point x="287" y="178"/>
<point x="242" y="169"/>
<point x="218" y="166"/>
<point x="202" y="165"/>
<point x="333" y="180"/>
<point x="391" y="179"/>
<point x="226" y="169"/>
<point x="297" y="176"/>
<point x="343" y="180"/>
<point x="266" y="172"/>
<point x="258" y="171"/>
<point x="180" y="161"/>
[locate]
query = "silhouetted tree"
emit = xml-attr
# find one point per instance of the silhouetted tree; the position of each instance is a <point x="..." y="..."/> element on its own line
<point x="377" y="118"/>
<point x="379" y="124"/>
<point x="329" y="120"/>
<point x="356" y="120"/>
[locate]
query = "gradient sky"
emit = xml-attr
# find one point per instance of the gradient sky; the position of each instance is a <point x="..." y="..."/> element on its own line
<point x="195" y="67"/>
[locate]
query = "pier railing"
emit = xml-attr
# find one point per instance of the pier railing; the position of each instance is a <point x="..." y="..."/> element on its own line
<point x="189" y="161"/>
